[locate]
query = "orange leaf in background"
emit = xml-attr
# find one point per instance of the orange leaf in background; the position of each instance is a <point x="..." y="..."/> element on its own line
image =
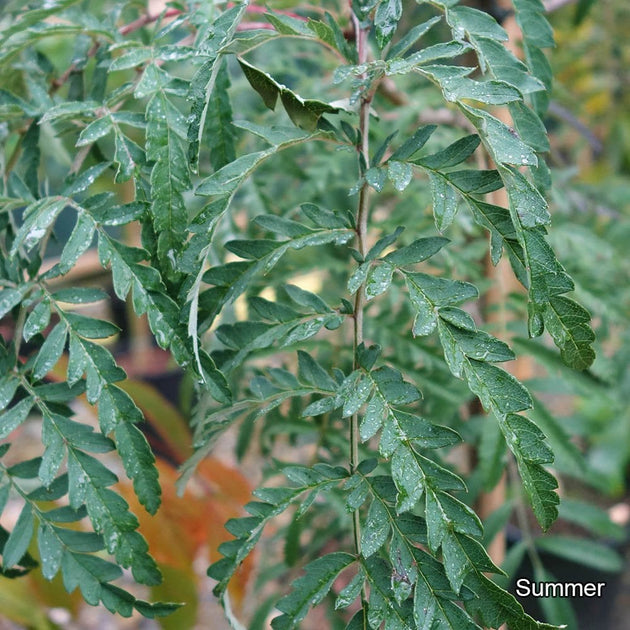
<point x="184" y="525"/>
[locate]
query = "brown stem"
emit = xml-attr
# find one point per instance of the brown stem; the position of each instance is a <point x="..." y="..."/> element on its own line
<point x="142" y="21"/>
<point x="123" y="30"/>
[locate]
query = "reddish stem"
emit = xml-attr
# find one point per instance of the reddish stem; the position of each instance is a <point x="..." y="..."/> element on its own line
<point x="123" y="30"/>
<point x="146" y="19"/>
<point x="252" y="26"/>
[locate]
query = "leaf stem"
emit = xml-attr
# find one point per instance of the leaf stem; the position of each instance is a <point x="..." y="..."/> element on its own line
<point x="361" y="230"/>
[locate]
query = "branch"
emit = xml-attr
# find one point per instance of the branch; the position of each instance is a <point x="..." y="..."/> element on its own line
<point x="361" y="229"/>
<point x="562" y="113"/>
<point x="554" y="5"/>
<point x="123" y="30"/>
<point x="136" y="25"/>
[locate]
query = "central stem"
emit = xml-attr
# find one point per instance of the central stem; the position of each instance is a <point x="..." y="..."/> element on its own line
<point x="361" y="229"/>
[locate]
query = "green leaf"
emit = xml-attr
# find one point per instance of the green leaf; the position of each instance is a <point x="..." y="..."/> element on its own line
<point x="474" y="23"/>
<point x="529" y="127"/>
<point x="202" y="85"/>
<point x="350" y="592"/>
<point x="83" y="181"/>
<point x="95" y="131"/>
<point x="431" y="607"/>
<point x="19" y="539"/>
<point x="88" y="573"/>
<point x="288" y="25"/>
<point x="581" y="551"/>
<point x="411" y="37"/>
<point x="459" y="343"/>
<point x="504" y="145"/>
<point x="506" y="67"/>
<point x="305" y="114"/>
<point x="9" y="298"/>
<point x="78" y="243"/>
<point x="591" y="517"/>
<point x="38" y="217"/>
<point x="441" y="291"/>
<point x="568" y="457"/>
<point x="463" y="555"/>
<point x="531" y="18"/>
<point x="539" y="484"/>
<point x="376" y="529"/>
<point x="310" y="589"/>
<point x="12" y="418"/>
<point x="312" y="373"/>
<point x="306" y="299"/>
<point x="445" y="201"/>
<point x="266" y="253"/>
<point x="492" y="605"/>
<point x="90" y="327"/>
<point x="456" y="87"/>
<point x="96" y="362"/>
<point x="453" y="155"/>
<point x="497" y="389"/>
<point x="227" y="179"/>
<point x="248" y="529"/>
<point x="51" y="351"/>
<point x="400" y="174"/>
<point x="354" y="392"/>
<point x="379" y="279"/>
<point x="50" y="550"/>
<point x="526" y="201"/>
<point x="386" y="17"/>
<point x="55" y="451"/>
<point x="8" y="386"/>
<point x="169" y="176"/>
<point x="569" y="324"/>
<point x="37" y="321"/>
<point x="131" y="59"/>
<point x="475" y="181"/>
<point x="219" y="121"/>
<point x="376" y="177"/>
<point x="416" y="252"/>
<point x="139" y="463"/>
<point x="79" y="295"/>
<point x="414" y="144"/>
<point x="444" y="514"/>
<point x="430" y="54"/>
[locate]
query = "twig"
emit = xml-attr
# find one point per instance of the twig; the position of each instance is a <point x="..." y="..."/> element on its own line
<point x="553" y="5"/>
<point x="362" y="212"/>
<point x="123" y="30"/>
<point x="136" y="25"/>
<point x="252" y="26"/>
<point x="444" y="116"/>
<point x="562" y="113"/>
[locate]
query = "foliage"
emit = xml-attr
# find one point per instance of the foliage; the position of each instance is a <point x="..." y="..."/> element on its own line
<point x="135" y="127"/>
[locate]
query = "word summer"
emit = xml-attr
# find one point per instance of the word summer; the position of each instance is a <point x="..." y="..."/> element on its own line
<point x="527" y="588"/>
